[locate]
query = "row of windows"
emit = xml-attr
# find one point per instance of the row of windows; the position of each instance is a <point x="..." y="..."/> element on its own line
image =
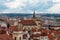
<point x="16" y="38"/>
<point x="42" y="38"/>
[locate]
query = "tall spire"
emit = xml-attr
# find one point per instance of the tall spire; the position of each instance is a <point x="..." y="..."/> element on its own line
<point x="34" y="14"/>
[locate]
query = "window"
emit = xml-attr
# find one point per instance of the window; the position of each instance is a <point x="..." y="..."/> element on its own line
<point x="15" y="38"/>
<point x="20" y="38"/>
<point x="43" y="38"/>
<point x="36" y="39"/>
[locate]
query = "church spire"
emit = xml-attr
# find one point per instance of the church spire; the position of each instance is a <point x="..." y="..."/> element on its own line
<point x="34" y="14"/>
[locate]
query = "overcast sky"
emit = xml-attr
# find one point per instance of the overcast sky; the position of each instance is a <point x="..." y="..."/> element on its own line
<point x="28" y="6"/>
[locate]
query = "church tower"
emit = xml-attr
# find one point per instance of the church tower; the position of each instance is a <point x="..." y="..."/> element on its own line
<point x="34" y="15"/>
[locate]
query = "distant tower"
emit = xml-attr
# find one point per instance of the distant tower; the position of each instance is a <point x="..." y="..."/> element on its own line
<point x="34" y="15"/>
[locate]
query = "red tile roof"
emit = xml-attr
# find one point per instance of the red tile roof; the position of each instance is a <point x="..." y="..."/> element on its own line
<point x="50" y="31"/>
<point x="58" y="38"/>
<point x="43" y="34"/>
<point x="28" y="22"/>
<point x="35" y="35"/>
<point x="2" y="30"/>
<point x="14" y="28"/>
<point x="50" y="36"/>
<point x="2" y="27"/>
<point x="5" y="37"/>
<point x="34" y="30"/>
<point x="57" y="33"/>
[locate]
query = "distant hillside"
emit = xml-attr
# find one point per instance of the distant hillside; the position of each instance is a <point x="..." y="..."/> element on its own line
<point x="51" y="15"/>
<point x="21" y="14"/>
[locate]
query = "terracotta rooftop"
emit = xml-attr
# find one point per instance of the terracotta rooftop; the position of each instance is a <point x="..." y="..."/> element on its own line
<point x="57" y="33"/>
<point x="5" y="37"/>
<point x="35" y="35"/>
<point x="2" y="30"/>
<point x="13" y="28"/>
<point x="50" y="36"/>
<point x="58" y="38"/>
<point x="28" y="22"/>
